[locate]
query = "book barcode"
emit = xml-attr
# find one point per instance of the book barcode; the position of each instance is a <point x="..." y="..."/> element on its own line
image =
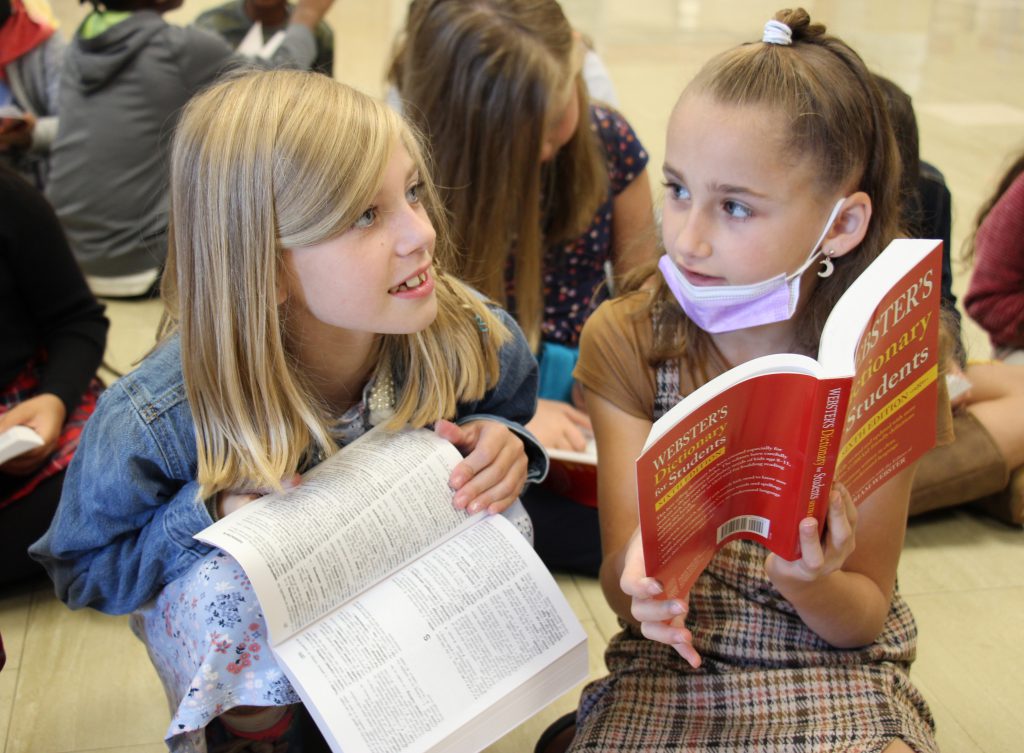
<point x="744" y="524"/>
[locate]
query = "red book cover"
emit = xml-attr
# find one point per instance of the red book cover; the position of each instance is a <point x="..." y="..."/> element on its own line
<point x="755" y="450"/>
<point x="574" y="474"/>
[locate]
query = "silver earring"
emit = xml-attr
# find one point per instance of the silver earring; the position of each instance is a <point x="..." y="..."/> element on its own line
<point x="827" y="267"/>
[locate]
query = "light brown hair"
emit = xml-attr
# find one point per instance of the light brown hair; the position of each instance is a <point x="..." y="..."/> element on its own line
<point x="483" y="79"/>
<point x="267" y="161"/>
<point x="838" y="120"/>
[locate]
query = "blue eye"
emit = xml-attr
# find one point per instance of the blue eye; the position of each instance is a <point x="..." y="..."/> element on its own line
<point x="677" y="191"/>
<point x="412" y="194"/>
<point x="366" y="219"/>
<point x="737" y="210"/>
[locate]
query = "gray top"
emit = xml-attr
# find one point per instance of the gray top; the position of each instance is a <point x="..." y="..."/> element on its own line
<point x="121" y="94"/>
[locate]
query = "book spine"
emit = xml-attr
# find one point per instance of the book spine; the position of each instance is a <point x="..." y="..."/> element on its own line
<point x="823" y="444"/>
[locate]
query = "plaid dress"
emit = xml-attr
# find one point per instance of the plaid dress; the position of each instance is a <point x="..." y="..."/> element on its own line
<point x="767" y="682"/>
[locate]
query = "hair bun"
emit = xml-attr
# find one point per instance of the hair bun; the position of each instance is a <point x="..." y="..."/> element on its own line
<point x="799" y="23"/>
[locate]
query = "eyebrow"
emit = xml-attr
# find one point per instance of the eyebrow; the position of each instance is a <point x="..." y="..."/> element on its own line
<point x="723" y="188"/>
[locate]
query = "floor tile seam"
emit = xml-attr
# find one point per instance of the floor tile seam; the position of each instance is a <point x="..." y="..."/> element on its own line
<point x="948" y="591"/>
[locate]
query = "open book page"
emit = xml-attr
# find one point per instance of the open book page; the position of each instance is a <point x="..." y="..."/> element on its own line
<point x="355" y="518"/>
<point x="16" y="441"/>
<point x="455" y="636"/>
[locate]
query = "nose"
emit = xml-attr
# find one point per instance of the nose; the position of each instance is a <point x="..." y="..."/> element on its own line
<point x="686" y="233"/>
<point x="415" y="231"/>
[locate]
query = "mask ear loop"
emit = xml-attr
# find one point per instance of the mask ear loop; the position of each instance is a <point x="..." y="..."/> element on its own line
<point x="827" y="267"/>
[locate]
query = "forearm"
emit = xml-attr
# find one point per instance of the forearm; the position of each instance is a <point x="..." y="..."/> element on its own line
<point x="73" y="360"/>
<point x="118" y="572"/>
<point x="611" y="572"/>
<point x="845" y="609"/>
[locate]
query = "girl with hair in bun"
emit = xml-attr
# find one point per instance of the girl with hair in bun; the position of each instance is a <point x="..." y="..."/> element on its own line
<point x="308" y="298"/>
<point x="781" y="171"/>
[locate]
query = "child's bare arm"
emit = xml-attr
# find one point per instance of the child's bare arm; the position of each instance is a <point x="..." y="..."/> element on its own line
<point x="619" y="437"/>
<point x="842" y="589"/>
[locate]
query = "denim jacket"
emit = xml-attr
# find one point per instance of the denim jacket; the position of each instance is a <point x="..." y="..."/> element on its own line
<point x="130" y="503"/>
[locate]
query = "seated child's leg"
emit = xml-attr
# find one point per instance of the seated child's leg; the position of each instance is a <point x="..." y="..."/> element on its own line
<point x="997" y="401"/>
<point x="970" y="468"/>
<point x="207" y="639"/>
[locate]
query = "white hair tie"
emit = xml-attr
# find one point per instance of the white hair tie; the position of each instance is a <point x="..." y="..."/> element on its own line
<point x="776" y="32"/>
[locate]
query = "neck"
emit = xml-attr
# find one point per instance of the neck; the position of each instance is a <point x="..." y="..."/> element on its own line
<point x="744" y="345"/>
<point x="337" y="362"/>
<point x="272" y="16"/>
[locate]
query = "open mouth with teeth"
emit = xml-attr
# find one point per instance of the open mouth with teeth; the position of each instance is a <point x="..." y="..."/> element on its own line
<point x="411" y="284"/>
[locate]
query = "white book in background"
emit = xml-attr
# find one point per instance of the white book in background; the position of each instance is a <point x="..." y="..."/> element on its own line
<point x="18" y="440"/>
<point x="405" y="625"/>
<point x="957" y="384"/>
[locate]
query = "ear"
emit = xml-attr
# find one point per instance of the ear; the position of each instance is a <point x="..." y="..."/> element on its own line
<point x="283" y="278"/>
<point x="850" y="226"/>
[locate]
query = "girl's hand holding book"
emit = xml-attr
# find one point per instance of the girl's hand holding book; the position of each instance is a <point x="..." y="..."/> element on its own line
<point x="230" y="500"/>
<point x="819" y="560"/>
<point x="44" y="414"/>
<point x="494" y="470"/>
<point x="660" y="619"/>
<point x="560" y="426"/>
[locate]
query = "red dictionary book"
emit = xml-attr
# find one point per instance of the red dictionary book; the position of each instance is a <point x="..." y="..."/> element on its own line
<point x="574" y="474"/>
<point x="755" y="450"/>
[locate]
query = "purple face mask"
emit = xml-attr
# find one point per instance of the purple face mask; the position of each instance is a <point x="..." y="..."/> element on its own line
<point x="725" y="308"/>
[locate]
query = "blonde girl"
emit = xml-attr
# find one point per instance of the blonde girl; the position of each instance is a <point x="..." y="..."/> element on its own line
<point x="307" y="299"/>
<point x="779" y="158"/>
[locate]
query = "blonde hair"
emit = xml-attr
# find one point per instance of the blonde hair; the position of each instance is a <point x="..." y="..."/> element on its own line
<point x="272" y="160"/>
<point x="483" y="79"/>
<point x="838" y="120"/>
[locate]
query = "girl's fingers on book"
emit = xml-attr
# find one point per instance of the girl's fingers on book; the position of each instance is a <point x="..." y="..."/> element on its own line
<point x="842" y="522"/>
<point x="496" y="497"/>
<point x="493" y="473"/>
<point x="560" y="426"/>
<point x="454" y="433"/>
<point x="229" y="501"/>
<point x="812" y="556"/>
<point x="658" y="610"/>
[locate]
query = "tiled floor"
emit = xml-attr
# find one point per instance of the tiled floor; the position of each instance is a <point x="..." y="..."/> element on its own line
<point x="80" y="682"/>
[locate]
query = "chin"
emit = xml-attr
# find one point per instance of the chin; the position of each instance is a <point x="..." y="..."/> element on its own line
<point x="417" y="321"/>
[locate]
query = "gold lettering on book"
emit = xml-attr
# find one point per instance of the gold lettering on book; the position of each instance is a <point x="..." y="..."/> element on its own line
<point x="896" y="311"/>
<point x="886" y="412"/>
<point x="689" y="435"/>
<point x="703" y="463"/>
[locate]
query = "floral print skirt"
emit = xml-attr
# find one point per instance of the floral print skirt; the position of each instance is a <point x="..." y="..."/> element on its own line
<point x="208" y="641"/>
